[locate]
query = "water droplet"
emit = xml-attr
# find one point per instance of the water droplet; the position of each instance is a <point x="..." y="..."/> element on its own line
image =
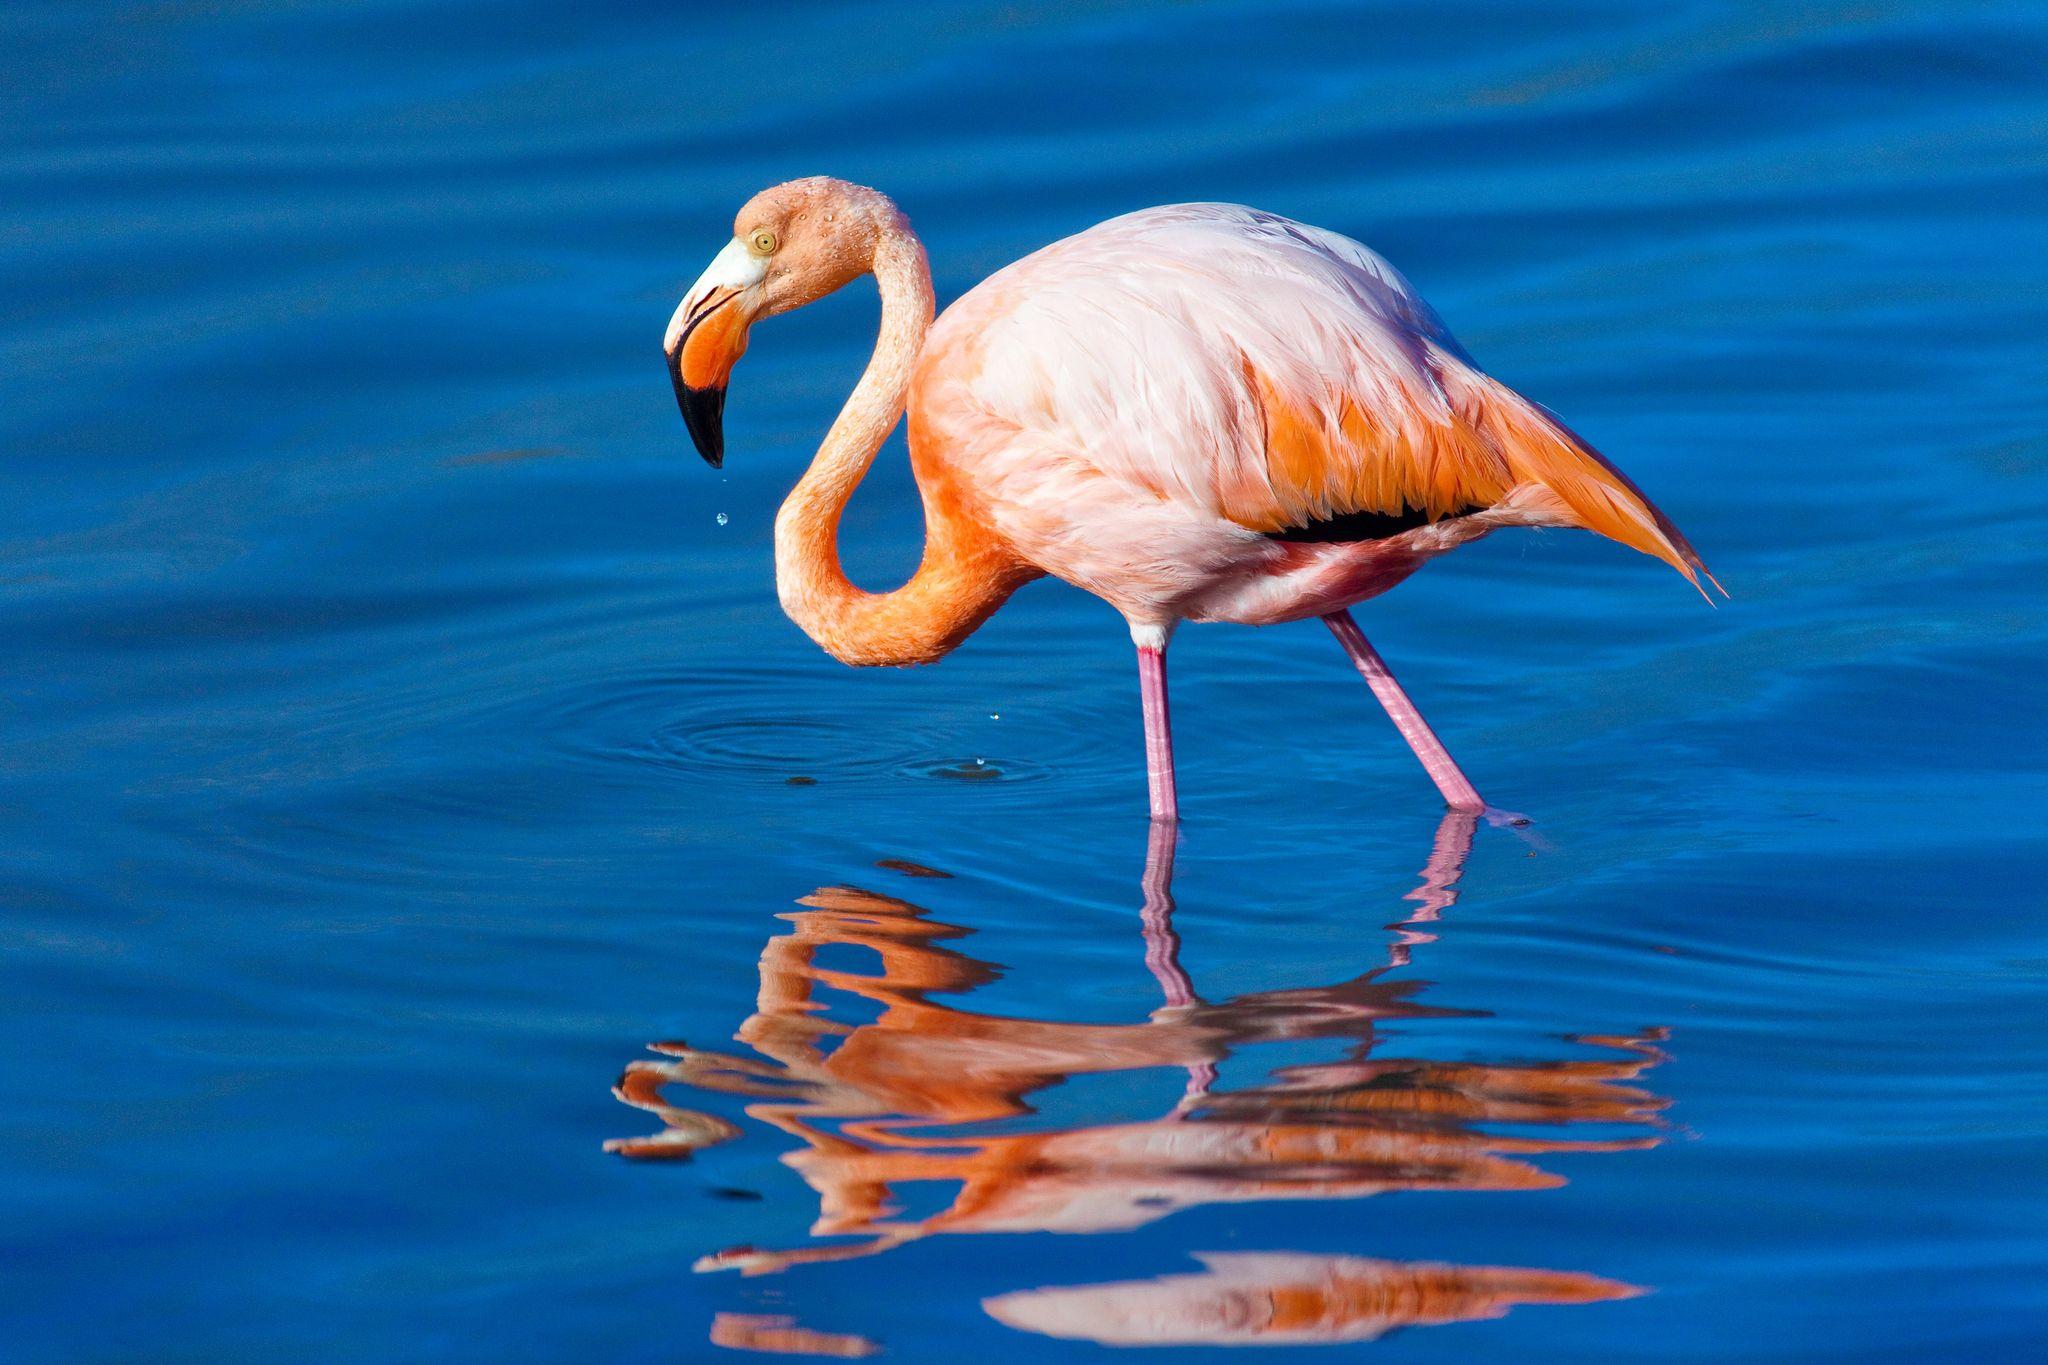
<point x="721" y="518"/>
<point x="980" y="762"/>
<point x="995" y="715"/>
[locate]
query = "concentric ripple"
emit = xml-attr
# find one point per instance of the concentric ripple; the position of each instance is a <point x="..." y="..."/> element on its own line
<point x="753" y="726"/>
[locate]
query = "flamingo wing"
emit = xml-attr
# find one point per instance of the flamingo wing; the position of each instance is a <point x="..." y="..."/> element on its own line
<point x="1281" y="379"/>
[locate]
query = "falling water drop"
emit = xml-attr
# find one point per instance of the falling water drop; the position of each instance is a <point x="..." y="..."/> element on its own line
<point x="721" y="518"/>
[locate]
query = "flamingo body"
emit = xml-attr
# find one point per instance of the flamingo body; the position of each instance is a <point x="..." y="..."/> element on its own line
<point x="1183" y="409"/>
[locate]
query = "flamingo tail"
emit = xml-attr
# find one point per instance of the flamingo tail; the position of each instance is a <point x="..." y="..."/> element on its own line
<point x="1539" y="449"/>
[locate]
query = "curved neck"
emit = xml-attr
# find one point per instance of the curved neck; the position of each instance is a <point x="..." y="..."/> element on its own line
<point x="962" y="576"/>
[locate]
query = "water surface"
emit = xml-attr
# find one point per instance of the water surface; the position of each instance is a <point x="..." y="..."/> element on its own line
<point x="403" y="744"/>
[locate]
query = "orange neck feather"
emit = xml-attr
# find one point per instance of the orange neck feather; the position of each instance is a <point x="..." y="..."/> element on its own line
<point x="966" y="571"/>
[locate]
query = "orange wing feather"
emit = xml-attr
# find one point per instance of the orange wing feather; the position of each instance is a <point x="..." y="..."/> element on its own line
<point x="1465" y="447"/>
<point x="1541" y="450"/>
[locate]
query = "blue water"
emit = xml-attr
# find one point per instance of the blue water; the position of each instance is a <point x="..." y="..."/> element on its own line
<point x="402" y="740"/>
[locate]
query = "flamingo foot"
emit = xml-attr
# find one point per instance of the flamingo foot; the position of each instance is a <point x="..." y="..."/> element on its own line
<point x="1519" y="825"/>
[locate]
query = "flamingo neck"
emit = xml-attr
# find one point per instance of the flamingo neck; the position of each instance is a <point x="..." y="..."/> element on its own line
<point x="962" y="576"/>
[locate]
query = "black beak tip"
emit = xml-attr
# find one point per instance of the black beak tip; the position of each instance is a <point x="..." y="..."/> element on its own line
<point x="704" y="415"/>
<point x="711" y="445"/>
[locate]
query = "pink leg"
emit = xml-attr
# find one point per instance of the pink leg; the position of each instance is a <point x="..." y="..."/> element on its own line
<point x="1158" y="734"/>
<point x="1436" y="760"/>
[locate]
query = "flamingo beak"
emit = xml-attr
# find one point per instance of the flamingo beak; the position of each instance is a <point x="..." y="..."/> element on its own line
<point x="706" y="337"/>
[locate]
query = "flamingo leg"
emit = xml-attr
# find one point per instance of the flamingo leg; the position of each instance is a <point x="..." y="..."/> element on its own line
<point x="1458" y="790"/>
<point x="1158" y="734"/>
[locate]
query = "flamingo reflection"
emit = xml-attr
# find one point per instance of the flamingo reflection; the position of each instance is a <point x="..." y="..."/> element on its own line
<point x="933" y="1092"/>
<point x="1281" y="1298"/>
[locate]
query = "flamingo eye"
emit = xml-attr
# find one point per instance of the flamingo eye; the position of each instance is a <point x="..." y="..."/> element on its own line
<point x="762" y="243"/>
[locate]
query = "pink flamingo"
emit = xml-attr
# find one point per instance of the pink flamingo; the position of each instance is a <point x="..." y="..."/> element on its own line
<point x="1197" y="413"/>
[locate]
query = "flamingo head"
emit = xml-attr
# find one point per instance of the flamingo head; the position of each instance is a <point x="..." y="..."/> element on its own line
<point x="791" y="244"/>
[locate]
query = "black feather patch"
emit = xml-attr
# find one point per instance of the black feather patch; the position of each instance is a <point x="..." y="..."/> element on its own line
<point x="1355" y="526"/>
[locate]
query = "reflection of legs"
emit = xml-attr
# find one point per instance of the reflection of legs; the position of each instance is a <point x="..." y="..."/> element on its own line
<point x="1458" y="790"/>
<point x="1162" y="944"/>
<point x="1439" y="889"/>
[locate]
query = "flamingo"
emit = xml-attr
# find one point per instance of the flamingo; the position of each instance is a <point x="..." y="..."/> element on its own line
<point x="1200" y="412"/>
